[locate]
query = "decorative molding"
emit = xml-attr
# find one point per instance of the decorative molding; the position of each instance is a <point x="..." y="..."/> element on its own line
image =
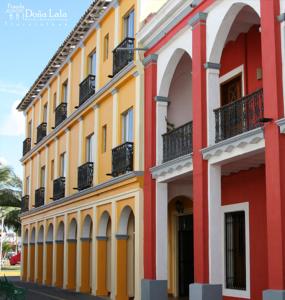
<point x="85" y="239"/>
<point x="150" y="59"/>
<point x="71" y="240"/>
<point x="161" y="99"/>
<point x="114" y="91"/>
<point x="58" y="242"/>
<point x="85" y="192"/>
<point x="200" y="16"/>
<point x="136" y="74"/>
<point x="210" y="65"/>
<point x="173" y="168"/>
<point x="281" y="124"/>
<point x="102" y="238"/>
<point x="122" y="236"/>
<point x="240" y="142"/>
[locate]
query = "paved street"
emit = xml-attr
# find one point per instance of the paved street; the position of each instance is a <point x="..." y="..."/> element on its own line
<point x="35" y="292"/>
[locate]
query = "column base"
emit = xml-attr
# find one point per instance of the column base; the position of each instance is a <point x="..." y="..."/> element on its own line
<point x="273" y="295"/>
<point x="206" y="291"/>
<point x="154" y="289"/>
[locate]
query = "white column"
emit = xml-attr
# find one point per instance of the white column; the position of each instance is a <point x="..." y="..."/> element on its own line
<point x="23" y="251"/>
<point x="29" y="253"/>
<point x="138" y="242"/>
<point x="98" y="55"/>
<point x="161" y="231"/>
<point x="69" y="88"/>
<point x="38" y="170"/>
<point x="54" y="251"/>
<point x="80" y="141"/>
<point x="82" y="67"/>
<point x="36" y="251"/>
<point x="67" y="145"/>
<point x="40" y="117"/>
<point x="49" y="113"/>
<point x="115" y="124"/>
<point x="113" y="252"/>
<point x="33" y="138"/>
<point x="65" y="250"/>
<point x="96" y="145"/>
<point x="161" y="126"/>
<point x="213" y="98"/>
<point x="58" y="93"/>
<point x="78" y="252"/>
<point x="139" y="124"/>
<point x="94" y="252"/>
<point x="56" y="159"/>
<point x="30" y="185"/>
<point x="46" y="173"/>
<point x="45" y="252"/>
<point x="117" y="23"/>
<point x="24" y="181"/>
<point x="215" y="224"/>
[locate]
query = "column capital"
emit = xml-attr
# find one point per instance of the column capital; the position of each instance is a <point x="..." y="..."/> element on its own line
<point x="210" y="65"/>
<point x="114" y="91"/>
<point x="96" y="106"/>
<point x="116" y="3"/>
<point x="97" y="26"/>
<point x="136" y="74"/>
<point x="161" y="99"/>
<point x="152" y="58"/>
<point x="67" y="130"/>
<point x="199" y="17"/>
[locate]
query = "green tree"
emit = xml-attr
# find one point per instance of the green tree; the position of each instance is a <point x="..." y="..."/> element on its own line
<point x="10" y="198"/>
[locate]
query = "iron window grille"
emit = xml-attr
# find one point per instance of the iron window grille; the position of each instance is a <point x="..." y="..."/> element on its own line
<point x="86" y="88"/>
<point x="41" y="131"/>
<point x="58" y="188"/>
<point x="85" y="176"/>
<point x="60" y="113"/>
<point x="40" y="197"/>
<point x="26" y="146"/>
<point x="25" y="203"/>
<point x="122" y="159"/>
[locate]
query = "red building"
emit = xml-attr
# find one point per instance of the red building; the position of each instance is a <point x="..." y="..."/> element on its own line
<point x="214" y="194"/>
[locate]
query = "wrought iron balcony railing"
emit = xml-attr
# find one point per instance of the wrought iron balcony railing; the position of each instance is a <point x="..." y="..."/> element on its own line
<point x="85" y="176"/>
<point x="86" y="88"/>
<point x="122" y="159"/>
<point x="41" y="131"/>
<point x="25" y="203"/>
<point x="26" y="146"/>
<point x="60" y="113"/>
<point x="177" y="142"/>
<point x="40" y="197"/>
<point x="58" y="188"/>
<point x="122" y="58"/>
<point x="239" y="116"/>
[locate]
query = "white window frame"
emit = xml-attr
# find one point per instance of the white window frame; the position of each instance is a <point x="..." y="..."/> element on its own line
<point x="89" y="151"/>
<point x="126" y="24"/>
<point x="126" y="126"/>
<point x="65" y="91"/>
<point x="27" y="185"/>
<point x="43" y="176"/>
<point x="92" y="61"/>
<point x="244" y="206"/>
<point x="45" y="113"/>
<point x="63" y="164"/>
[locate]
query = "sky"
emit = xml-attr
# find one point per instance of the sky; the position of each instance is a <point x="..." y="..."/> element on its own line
<point x="27" y="45"/>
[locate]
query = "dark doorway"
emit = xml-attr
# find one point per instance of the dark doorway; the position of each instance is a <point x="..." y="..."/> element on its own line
<point x="231" y="90"/>
<point x="186" y="254"/>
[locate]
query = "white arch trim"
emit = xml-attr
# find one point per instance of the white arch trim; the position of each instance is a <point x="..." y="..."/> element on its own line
<point x="72" y="229"/>
<point x="50" y="233"/>
<point x="219" y="22"/>
<point x="124" y="220"/>
<point x="60" y="232"/>
<point x="41" y="234"/>
<point x="102" y="231"/>
<point x="169" y="57"/>
<point x="87" y="226"/>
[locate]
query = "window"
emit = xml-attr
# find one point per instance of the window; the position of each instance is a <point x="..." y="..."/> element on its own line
<point x="29" y="129"/>
<point x="64" y="91"/>
<point x="54" y="101"/>
<point x="235" y="250"/>
<point x="43" y="176"/>
<point x="92" y="63"/>
<point x="129" y="22"/>
<point x="52" y="170"/>
<point x="104" y="138"/>
<point x="106" y="46"/>
<point x="127" y="126"/>
<point x="90" y="148"/>
<point x="28" y="185"/>
<point x="45" y="113"/>
<point x="63" y="165"/>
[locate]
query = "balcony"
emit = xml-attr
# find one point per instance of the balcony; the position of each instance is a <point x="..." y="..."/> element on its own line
<point x="177" y="142"/>
<point x="86" y="89"/>
<point x="26" y="146"/>
<point x="60" y="113"/>
<point x="85" y="176"/>
<point x="41" y="131"/>
<point x="121" y="57"/>
<point x="122" y="159"/>
<point x="239" y="116"/>
<point x="25" y="204"/>
<point x="40" y="197"/>
<point x="58" y="188"/>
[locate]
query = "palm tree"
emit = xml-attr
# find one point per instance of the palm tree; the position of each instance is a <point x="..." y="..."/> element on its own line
<point x="10" y="198"/>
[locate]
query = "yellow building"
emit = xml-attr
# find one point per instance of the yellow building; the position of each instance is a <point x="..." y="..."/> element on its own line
<point x="83" y="159"/>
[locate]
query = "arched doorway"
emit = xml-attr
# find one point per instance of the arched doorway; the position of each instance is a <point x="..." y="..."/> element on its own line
<point x="180" y="245"/>
<point x="49" y="255"/>
<point x="86" y="255"/>
<point x="40" y="255"/>
<point x="126" y="255"/>
<point x="32" y="255"/>
<point x="59" y="255"/>
<point x="104" y="244"/>
<point x="72" y="255"/>
<point x="25" y="255"/>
